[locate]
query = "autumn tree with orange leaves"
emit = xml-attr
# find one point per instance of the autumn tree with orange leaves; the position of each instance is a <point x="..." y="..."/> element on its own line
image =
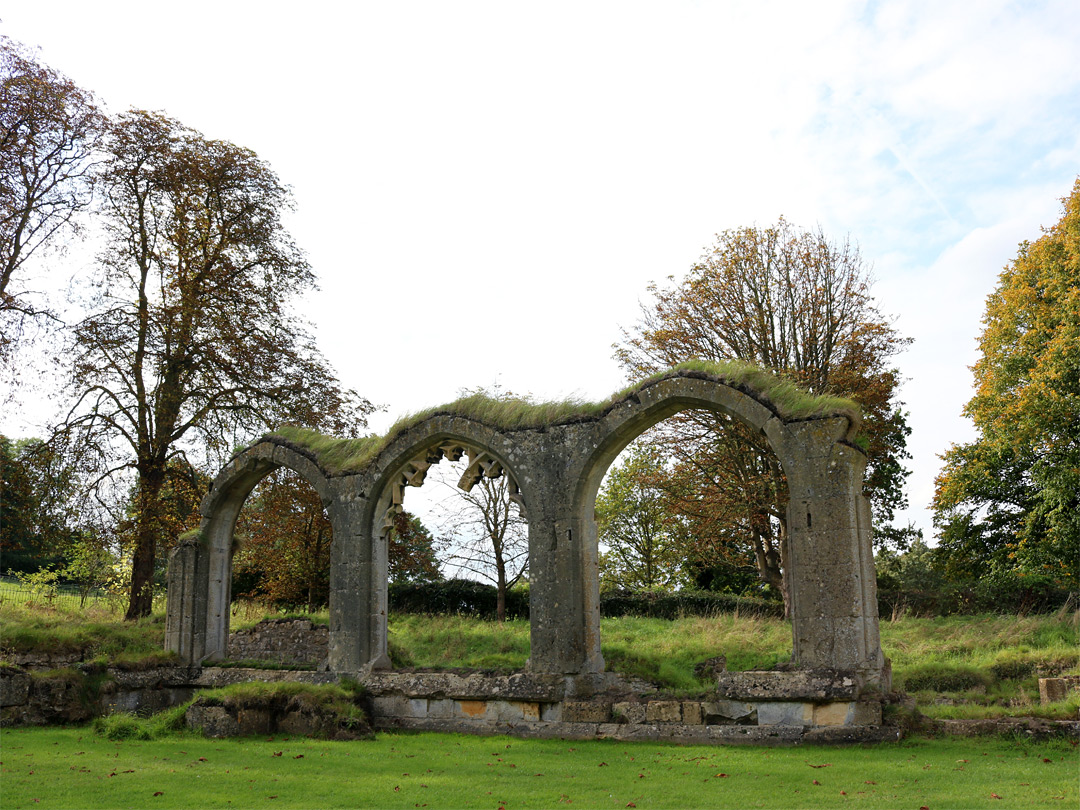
<point x="284" y="536"/>
<point x="798" y="304"/>
<point x="1008" y="503"/>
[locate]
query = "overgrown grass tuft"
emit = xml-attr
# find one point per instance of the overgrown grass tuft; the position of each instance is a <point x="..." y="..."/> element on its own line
<point x="784" y="397"/>
<point x="945" y="678"/>
<point x="84" y="634"/>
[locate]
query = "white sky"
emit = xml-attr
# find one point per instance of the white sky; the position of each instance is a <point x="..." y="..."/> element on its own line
<point x="486" y="189"/>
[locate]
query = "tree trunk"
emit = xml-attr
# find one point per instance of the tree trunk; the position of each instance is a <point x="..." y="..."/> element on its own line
<point x="500" y="591"/>
<point x="147" y="527"/>
<point x="770" y="570"/>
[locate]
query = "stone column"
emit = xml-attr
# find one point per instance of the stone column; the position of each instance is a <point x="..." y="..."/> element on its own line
<point x="563" y="581"/>
<point x="556" y="604"/>
<point x="830" y="554"/>
<point x="185" y="610"/>
<point x="357" y="571"/>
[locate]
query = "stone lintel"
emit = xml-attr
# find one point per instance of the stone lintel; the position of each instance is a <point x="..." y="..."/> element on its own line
<point x="525" y="686"/>
<point x="816" y="685"/>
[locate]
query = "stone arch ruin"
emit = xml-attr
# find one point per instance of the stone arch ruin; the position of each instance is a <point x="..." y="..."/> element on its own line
<point x="554" y="459"/>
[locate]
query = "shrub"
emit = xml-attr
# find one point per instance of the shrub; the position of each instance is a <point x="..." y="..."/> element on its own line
<point x="456" y="597"/>
<point x="470" y="598"/>
<point x="1012" y="667"/>
<point x="677" y="604"/>
<point x="122" y="726"/>
<point x="944" y="678"/>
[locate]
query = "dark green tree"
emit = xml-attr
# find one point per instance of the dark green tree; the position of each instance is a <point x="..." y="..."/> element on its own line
<point x="412" y="555"/>
<point x="36" y="492"/>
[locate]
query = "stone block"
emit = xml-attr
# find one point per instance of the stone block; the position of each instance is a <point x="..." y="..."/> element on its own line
<point x="816" y="685"/>
<point x="628" y="712"/>
<point x="663" y="711"/>
<point x="472" y="709"/>
<point x="551" y="712"/>
<point x="391" y="706"/>
<point x="213" y="721"/>
<point x="584" y="711"/>
<point x="505" y="711"/>
<point x="1052" y="690"/>
<point x="833" y="714"/>
<point x="866" y="713"/>
<point x="777" y="713"/>
<point x="842" y="735"/>
<point x="530" y="710"/>
<point x="255" y="721"/>
<point x="725" y="712"/>
<point x="14" y="687"/>
<point x="756" y="735"/>
<point x="300" y="724"/>
<point x="691" y="712"/>
<point x="440" y="709"/>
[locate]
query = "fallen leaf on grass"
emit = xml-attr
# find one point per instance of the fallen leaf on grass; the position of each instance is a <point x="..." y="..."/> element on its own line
<point x="720" y="776"/>
<point x="299" y="756"/>
<point x="816" y="782"/>
<point x="159" y="793"/>
<point x="825" y="765"/>
<point x="994" y="796"/>
<point x="277" y="753"/>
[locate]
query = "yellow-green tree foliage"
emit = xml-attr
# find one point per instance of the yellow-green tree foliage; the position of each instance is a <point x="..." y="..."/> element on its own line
<point x="635" y="525"/>
<point x="1008" y="501"/>
<point x="795" y="303"/>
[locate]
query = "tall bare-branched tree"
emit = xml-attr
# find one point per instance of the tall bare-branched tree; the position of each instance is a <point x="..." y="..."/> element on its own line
<point x="795" y="303"/>
<point x="49" y="132"/>
<point x="487" y="536"/>
<point x="190" y="336"/>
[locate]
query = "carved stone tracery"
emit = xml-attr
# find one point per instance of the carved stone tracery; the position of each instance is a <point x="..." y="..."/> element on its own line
<point x="481" y="465"/>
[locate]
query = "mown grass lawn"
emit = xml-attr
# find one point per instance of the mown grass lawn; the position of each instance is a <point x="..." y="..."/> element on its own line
<point x="75" y="768"/>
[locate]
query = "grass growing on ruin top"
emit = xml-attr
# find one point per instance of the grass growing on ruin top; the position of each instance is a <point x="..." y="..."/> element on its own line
<point x="89" y="633"/>
<point x="784" y="397"/>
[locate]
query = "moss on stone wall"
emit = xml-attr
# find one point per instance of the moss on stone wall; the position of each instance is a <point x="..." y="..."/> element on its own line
<point x="785" y="398"/>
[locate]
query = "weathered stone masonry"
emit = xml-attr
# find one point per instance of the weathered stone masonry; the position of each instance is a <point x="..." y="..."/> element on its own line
<point x="555" y="471"/>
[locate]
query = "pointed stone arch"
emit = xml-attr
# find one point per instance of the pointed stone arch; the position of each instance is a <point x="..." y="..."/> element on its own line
<point x="830" y="556"/>
<point x="556" y="464"/>
<point x="200" y="569"/>
<point x="405" y="463"/>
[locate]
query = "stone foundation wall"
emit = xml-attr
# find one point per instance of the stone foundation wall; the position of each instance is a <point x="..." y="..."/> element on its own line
<point x="37" y="698"/>
<point x="282" y="641"/>
<point x="552" y="706"/>
<point x="521" y="704"/>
